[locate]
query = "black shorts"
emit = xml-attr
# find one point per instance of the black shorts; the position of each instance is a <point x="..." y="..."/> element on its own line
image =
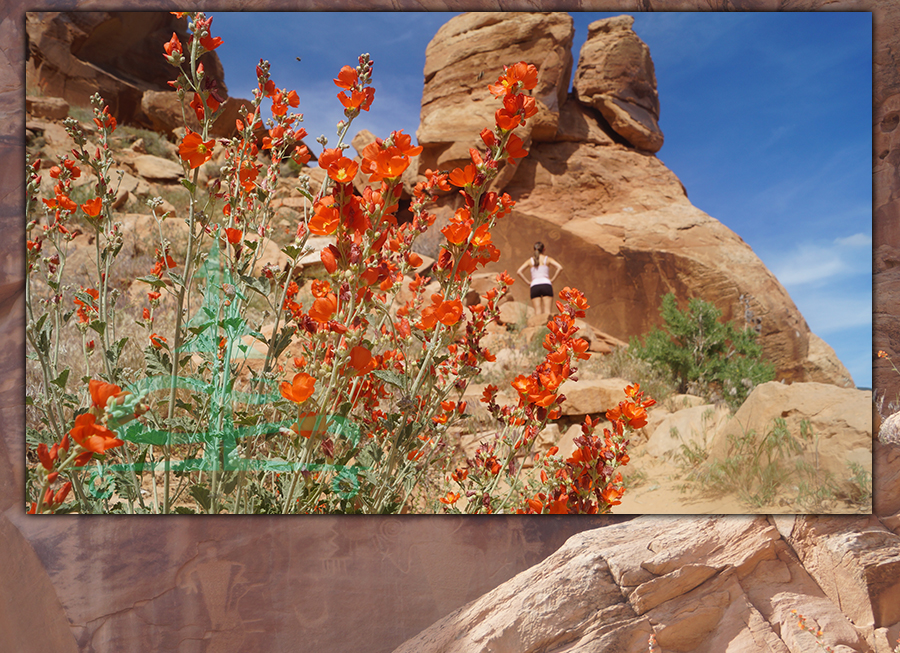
<point x="542" y="290"/>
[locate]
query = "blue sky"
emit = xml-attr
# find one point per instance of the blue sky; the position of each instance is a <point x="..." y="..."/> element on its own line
<point x="766" y="116"/>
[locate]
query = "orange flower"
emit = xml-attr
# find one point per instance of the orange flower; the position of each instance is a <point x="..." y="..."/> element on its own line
<point x="234" y="236"/>
<point x="193" y="150"/>
<point x="347" y="78"/>
<point x="558" y="506"/>
<point x="323" y="308"/>
<point x="357" y="99"/>
<point x="326" y="218"/>
<point x="514" y="149"/>
<point x="611" y="494"/>
<point x="515" y="77"/>
<point x="329" y="258"/>
<point x="102" y="391"/>
<point x="157" y="341"/>
<point x="362" y="361"/>
<point x="92" y="436"/>
<point x="457" y="232"/>
<point x="450" y="498"/>
<point x="448" y="313"/>
<point x="197" y="106"/>
<point x="342" y="170"/>
<point x="464" y="177"/>
<point x="92" y="207"/>
<point x="300" y="389"/>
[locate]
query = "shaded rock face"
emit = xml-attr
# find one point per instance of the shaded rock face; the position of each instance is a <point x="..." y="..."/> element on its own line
<point x="701" y="584"/>
<point x="615" y="217"/>
<point x="118" y="54"/>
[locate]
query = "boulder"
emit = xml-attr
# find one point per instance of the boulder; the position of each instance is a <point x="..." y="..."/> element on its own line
<point x="51" y="108"/>
<point x="615" y="76"/>
<point x="163" y="111"/>
<point x="156" y="168"/>
<point x="838" y="424"/>
<point x="693" y="427"/>
<point x="592" y="396"/>
<point x="616" y="218"/>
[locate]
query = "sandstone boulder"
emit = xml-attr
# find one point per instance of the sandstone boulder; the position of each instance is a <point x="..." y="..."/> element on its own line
<point x="51" y="108"/>
<point x="592" y="396"/>
<point x="617" y="219"/>
<point x="615" y="76"/>
<point x="838" y="423"/>
<point x="156" y="168"/>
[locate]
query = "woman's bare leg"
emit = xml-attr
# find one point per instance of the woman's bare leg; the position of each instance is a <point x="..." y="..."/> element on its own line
<point x="546" y="303"/>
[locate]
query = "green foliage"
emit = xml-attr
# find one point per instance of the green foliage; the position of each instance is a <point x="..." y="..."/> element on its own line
<point x="703" y="355"/>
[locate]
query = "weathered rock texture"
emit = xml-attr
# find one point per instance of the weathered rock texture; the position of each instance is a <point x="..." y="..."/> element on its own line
<point x="592" y="191"/>
<point x="698" y="584"/>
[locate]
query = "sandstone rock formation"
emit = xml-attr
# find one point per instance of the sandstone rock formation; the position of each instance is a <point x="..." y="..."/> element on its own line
<point x="118" y="54"/>
<point x="615" y="76"/>
<point x="602" y="203"/>
<point x="205" y="584"/>
<point x="697" y="584"/>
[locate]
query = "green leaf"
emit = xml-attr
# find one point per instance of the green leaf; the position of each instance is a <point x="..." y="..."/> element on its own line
<point x="98" y="326"/>
<point x="187" y="184"/>
<point x="60" y="381"/>
<point x="390" y="377"/>
<point x="184" y="510"/>
<point x="291" y="251"/>
<point x="197" y="330"/>
<point x="283" y="340"/>
<point x="201" y="496"/>
<point x="177" y="279"/>
<point x="156" y="282"/>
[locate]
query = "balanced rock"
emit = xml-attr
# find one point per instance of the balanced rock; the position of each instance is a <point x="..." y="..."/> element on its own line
<point x="615" y="76"/>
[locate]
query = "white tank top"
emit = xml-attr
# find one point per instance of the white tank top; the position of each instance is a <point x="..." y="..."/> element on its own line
<point x="540" y="274"/>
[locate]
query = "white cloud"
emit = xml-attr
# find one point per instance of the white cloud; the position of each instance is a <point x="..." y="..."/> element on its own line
<point x="812" y="263"/>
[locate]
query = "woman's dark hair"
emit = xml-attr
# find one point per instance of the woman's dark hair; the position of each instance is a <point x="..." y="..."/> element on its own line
<point x="538" y="250"/>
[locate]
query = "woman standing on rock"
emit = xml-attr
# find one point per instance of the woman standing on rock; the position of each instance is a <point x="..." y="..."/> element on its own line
<point x="541" y="281"/>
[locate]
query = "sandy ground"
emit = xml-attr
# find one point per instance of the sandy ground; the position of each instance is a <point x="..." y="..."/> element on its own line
<point x="660" y="491"/>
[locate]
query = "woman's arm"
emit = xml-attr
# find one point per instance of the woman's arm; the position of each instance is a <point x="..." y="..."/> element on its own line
<point x="522" y="267"/>
<point x="553" y="261"/>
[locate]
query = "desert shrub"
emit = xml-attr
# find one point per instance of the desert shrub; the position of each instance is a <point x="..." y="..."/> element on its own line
<point x="703" y="355"/>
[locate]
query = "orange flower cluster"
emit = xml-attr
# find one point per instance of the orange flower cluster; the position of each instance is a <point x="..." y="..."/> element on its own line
<point x="588" y="482"/>
<point x="357" y="95"/>
<point x="388" y="159"/>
